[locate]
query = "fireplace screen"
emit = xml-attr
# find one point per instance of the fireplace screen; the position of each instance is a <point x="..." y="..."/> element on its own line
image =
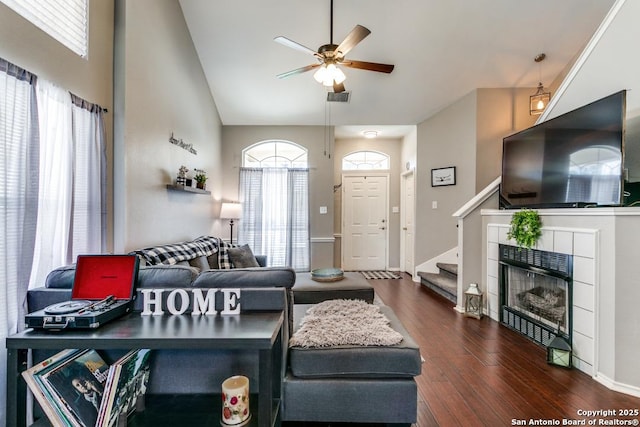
<point x="535" y="292"/>
<point x="538" y="296"/>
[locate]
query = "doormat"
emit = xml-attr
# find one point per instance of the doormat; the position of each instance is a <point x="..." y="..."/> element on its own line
<point x="370" y="275"/>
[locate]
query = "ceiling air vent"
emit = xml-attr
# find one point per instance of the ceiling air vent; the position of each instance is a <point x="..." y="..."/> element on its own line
<point x="338" y="97"/>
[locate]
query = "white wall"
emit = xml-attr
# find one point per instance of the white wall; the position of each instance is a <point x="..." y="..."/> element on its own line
<point x="160" y="89"/>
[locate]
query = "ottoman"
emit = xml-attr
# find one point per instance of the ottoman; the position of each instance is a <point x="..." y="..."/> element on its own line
<point x="353" y="286"/>
<point x="353" y="384"/>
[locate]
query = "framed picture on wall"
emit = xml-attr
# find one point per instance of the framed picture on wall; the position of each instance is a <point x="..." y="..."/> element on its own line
<point x="443" y="176"/>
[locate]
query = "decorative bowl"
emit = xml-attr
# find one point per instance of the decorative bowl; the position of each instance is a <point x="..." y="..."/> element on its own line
<point x="327" y="274"/>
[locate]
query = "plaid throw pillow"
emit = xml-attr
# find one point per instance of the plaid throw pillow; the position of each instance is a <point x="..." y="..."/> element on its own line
<point x="224" y="262"/>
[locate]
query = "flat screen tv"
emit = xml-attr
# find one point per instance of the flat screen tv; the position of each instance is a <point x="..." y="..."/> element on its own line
<point x="573" y="160"/>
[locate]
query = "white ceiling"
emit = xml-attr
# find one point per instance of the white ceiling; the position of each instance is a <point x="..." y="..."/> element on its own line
<point x="441" y="49"/>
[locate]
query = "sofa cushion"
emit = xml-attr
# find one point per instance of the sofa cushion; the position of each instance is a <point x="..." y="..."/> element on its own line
<point x="242" y="257"/>
<point x="352" y="361"/>
<point x="61" y="277"/>
<point x="162" y="276"/>
<point x="201" y="263"/>
<point x="284" y="277"/>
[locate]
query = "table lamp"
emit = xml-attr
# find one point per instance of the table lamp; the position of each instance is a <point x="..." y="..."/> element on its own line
<point x="231" y="211"/>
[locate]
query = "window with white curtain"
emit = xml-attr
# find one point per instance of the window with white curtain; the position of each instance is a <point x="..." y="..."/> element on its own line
<point x="52" y="188"/>
<point x="18" y="199"/>
<point x="274" y="193"/>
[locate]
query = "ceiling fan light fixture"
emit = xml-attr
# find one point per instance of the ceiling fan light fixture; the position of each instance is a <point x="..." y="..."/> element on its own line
<point x="328" y="74"/>
<point x="321" y="74"/>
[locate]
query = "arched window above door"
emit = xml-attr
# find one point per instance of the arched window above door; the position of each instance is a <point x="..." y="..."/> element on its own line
<point x="275" y="154"/>
<point x="369" y="160"/>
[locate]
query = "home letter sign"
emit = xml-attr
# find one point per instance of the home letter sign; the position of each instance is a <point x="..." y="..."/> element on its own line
<point x="179" y="301"/>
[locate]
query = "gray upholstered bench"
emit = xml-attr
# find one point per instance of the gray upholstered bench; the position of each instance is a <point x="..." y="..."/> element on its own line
<point x="353" y="286"/>
<point x="350" y="383"/>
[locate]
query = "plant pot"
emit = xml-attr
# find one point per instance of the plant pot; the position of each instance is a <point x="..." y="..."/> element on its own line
<point x="201" y="185"/>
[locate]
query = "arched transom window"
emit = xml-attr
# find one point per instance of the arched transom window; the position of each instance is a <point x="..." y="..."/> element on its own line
<point x="274" y="154"/>
<point x="365" y="160"/>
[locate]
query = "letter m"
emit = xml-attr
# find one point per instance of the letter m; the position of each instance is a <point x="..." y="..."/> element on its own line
<point x="204" y="304"/>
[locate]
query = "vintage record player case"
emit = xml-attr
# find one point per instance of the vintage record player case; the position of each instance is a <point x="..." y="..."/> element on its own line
<point x="103" y="290"/>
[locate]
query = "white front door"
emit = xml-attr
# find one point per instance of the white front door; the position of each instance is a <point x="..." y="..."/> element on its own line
<point x="407" y="235"/>
<point x="364" y="222"/>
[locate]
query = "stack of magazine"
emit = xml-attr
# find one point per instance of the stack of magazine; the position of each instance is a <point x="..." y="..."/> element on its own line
<point x="77" y="388"/>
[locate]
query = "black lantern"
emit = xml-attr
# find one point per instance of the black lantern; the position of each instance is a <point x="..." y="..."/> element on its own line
<point x="559" y="352"/>
<point x="473" y="301"/>
<point x="539" y="100"/>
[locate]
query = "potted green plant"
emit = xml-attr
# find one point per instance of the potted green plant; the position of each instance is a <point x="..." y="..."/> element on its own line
<point x="201" y="178"/>
<point x="526" y="228"/>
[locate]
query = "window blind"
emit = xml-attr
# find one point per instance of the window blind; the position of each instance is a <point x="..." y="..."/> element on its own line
<point x="64" y="20"/>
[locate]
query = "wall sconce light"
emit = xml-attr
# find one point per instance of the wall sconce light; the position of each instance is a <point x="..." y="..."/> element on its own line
<point x="473" y="301"/>
<point x="539" y="100"/>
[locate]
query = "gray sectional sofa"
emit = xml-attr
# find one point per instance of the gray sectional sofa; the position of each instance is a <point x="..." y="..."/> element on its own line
<point x="337" y="384"/>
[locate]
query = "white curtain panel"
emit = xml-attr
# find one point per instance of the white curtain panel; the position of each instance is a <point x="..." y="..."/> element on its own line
<point x="89" y="188"/>
<point x="56" y="183"/>
<point x="275" y="215"/>
<point x="18" y="200"/>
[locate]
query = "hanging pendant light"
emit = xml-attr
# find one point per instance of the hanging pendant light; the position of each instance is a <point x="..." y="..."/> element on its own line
<point x="539" y="100"/>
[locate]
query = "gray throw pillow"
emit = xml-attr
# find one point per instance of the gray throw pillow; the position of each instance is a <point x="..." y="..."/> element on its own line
<point x="242" y="257"/>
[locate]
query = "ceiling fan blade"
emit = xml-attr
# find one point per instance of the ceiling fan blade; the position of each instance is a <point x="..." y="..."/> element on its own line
<point x="353" y="38"/>
<point x="338" y="87"/>
<point x="294" y="45"/>
<point x="298" y="71"/>
<point x="371" y="66"/>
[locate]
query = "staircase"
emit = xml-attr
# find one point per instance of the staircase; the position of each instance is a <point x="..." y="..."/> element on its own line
<point x="444" y="283"/>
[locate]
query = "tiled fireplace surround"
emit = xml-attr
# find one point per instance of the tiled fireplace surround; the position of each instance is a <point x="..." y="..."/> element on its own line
<point x="606" y="285"/>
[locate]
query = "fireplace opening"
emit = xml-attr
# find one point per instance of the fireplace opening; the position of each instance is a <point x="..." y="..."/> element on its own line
<point x="536" y="293"/>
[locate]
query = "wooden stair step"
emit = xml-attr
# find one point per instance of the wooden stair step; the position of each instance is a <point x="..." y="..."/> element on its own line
<point x="440" y="283"/>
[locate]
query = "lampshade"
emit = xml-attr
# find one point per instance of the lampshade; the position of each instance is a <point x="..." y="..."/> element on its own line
<point x="231" y="211"/>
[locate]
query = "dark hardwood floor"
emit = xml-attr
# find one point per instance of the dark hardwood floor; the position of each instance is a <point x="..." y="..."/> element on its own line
<point x="479" y="373"/>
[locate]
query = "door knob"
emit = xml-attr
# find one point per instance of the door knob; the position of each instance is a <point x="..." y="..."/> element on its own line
<point x="405" y="228"/>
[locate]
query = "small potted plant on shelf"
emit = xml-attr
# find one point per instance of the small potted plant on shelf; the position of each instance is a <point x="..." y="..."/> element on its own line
<point x="201" y="178"/>
<point x="526" y="228"/>
<point x="182" y="175"/>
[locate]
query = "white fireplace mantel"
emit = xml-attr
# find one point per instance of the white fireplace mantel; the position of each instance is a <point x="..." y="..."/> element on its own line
<point x="606" y="284"/>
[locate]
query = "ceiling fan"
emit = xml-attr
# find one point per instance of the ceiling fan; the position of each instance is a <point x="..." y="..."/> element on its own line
<point x="329" y="56"/>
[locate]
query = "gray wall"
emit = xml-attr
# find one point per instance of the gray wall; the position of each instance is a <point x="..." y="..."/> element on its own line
<point x="468" y="134"/>
<point x="319" y="141"/>
<point x="446" y="139"/>
<point x="160" y="89"/>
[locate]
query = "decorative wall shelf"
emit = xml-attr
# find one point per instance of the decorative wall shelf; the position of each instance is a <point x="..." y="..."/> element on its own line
<point x="177" y="187"/>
